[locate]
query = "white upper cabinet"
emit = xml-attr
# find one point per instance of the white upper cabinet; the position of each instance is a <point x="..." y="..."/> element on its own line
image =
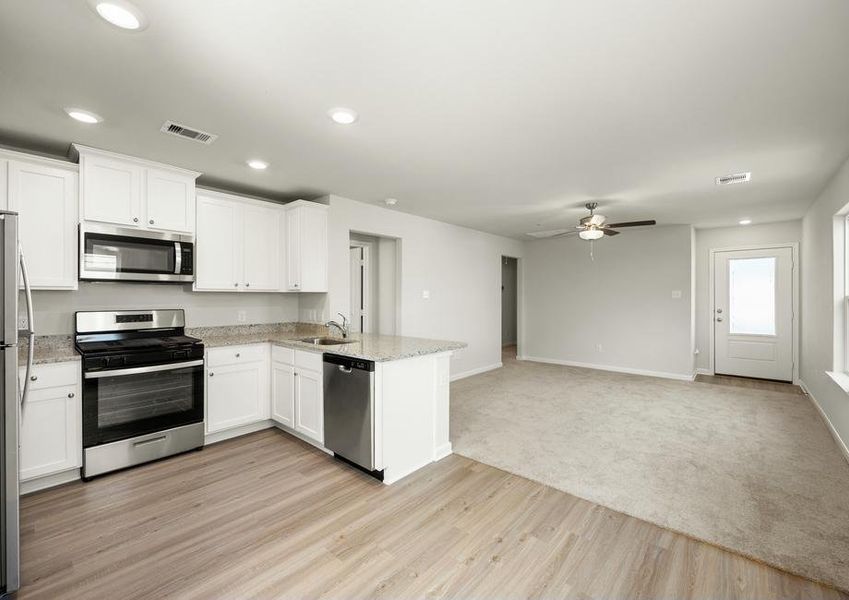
<point x="45" y="197"/>
<point x="261" y="247"/>
<point x="218" y="245"/>
<point x="170" y="201"/>
<point x="238" y="244"/>
<point x="304" y="227"/>
<point x="135" y="193"/>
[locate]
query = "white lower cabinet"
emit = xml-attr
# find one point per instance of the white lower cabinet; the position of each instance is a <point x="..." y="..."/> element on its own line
<point x="237" y="390"/>
<point x="298" y="392"/>
<point x="51" y="421"/>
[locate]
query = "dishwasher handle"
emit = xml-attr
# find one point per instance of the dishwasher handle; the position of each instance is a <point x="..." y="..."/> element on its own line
<point x="345" y="369"/>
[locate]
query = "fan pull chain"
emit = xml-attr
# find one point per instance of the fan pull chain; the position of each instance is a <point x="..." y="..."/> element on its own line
<point x="592" y="258"/>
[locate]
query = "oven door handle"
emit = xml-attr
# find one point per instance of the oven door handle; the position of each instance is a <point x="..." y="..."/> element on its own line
<point x="138" y="370"/>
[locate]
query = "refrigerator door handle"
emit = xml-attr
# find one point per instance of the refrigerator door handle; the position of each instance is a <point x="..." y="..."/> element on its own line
<point x="30" y="332"/>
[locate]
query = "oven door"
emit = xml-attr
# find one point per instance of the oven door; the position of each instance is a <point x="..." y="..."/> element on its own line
<point x="124" y="403"/>
<point x="114" y="253"/>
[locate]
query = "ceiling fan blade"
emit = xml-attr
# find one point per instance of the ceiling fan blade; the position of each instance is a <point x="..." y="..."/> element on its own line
<point x="610" y="231"/>
<point x="549" y="233"/>
<point x="634" y="224"/>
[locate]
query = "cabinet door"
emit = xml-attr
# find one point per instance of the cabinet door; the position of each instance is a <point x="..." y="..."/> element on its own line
<point x="218" y="254"/>
<point x="50" y="432"/>
<point x="46" y="199"/>
<point x="283" y="394"/>
<point x="309" y="404"/>
<point x="261" y="247"/>
<point x="111" y="191"/>
<point x="313" y="249"/>
<point x="293" y="250"/>
<point x="236" y="395"/>
<point x="170" y="201"/>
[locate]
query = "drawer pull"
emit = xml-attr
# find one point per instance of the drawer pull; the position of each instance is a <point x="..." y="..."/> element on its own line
<point x="34" y="378"/>
<point x="237" y="355"/>
<point x="211" y="373"/>
<point x="71" y="395"/>
<point x="150" y="441"/>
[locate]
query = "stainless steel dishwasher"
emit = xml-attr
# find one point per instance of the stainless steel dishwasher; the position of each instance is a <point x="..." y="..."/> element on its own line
<point x="349" y="410"/>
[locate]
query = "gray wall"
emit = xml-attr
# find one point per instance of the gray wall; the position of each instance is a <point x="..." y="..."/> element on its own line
<point x="509" y="318"/>
<point x="622" y="300"/>
<point x="822" y="303"/>
<point x="54" y="310"/>
<point x="728" y="237"/>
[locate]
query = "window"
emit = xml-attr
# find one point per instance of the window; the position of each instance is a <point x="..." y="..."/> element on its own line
<point x="751" y="287"/>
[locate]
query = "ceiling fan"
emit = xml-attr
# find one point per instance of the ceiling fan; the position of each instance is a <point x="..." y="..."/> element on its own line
<point x="592" y="227"/>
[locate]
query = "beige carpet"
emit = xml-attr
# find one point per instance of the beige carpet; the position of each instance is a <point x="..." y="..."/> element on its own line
<point x="753" y="471"/>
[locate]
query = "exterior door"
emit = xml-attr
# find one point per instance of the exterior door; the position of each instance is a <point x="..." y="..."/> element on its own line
<point x="753" y="313"/>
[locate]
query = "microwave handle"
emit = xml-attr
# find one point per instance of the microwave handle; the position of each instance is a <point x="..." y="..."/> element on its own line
<point x="178" y="258"/>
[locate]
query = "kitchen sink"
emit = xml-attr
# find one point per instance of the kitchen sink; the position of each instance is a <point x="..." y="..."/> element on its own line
<point x="325" y="341"/>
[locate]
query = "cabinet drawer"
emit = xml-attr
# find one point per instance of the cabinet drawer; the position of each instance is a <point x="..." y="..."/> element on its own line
<point x="233" y="355"/>
<point x="52" y="375"/>
<point x="283" y="355"/>
<point x="305" y="359"/>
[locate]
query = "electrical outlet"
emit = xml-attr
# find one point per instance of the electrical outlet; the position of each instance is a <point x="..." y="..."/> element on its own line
<point x="676" y="294"/>
<point x="22" y="322"/>
<point x="599" y="347"/>
<point x="426" y="294"/>
<point x="241" y="316"/>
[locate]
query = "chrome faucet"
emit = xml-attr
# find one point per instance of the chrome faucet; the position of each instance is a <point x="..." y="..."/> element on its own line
<point x="343" y="328"/>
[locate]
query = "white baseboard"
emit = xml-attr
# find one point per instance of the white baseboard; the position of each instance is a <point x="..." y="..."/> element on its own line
<point x="477" y="371"/>
<point x="703" y="371"/>
<point x="49" y="481"/>
<point x="615" y="369"/>
<point x="844" y="449"/>
<point x="220" y="436"/>
<point x="442" y="451"/>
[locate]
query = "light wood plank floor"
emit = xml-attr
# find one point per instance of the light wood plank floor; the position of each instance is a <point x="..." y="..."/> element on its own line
<point x="267" y="516"/>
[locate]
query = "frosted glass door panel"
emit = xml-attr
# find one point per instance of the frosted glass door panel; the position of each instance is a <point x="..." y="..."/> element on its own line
<point x="751" y="286"/>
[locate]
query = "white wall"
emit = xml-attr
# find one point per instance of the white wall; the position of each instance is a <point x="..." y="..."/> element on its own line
<point x="729" y="237"/>
<point x="621" y="300"/>
<point x="509" y="297"/>
<point x="387" y="286"/>
<point x="460" y="267"/>
<point x="822" y="316"/>
<point x="54" y="310"/>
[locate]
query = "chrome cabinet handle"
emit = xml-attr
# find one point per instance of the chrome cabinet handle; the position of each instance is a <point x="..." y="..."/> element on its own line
<point x="151" y="221"/>
<point x="211" y="373"/>
<point x="135" y="219"/>
<point x="71" y="395"/>
<point x="235" y="285"/>
<point x="34" y="378"/>
<point x="247" y="285"/>
<point x="238" y="354"/>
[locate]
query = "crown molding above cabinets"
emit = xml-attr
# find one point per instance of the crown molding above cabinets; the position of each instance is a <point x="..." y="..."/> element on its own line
<point x="135" y="193"/>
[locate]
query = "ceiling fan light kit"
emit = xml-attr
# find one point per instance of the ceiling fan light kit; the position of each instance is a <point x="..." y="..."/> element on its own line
<point x="592" y="227"/>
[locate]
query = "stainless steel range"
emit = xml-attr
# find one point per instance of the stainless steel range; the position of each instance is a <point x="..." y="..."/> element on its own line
<point x="142" y="388"/>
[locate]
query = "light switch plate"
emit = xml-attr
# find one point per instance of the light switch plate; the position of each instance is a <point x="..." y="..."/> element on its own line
<point x="241" y="316"/>
<point x="426" y="294"/>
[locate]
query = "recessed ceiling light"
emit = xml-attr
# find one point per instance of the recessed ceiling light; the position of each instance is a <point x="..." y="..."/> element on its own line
<point x="745" y="221"/>
<point x="257" y="164"/>
<point x="734" y="178"/>
<point x="343" y="116"/>
<point x="391" y="201"/>
<point x="83" y="116"/>
<point x="120" y="13"/>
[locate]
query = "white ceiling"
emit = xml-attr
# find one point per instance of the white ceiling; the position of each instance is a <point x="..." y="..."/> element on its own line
<point x="503" y="116"/>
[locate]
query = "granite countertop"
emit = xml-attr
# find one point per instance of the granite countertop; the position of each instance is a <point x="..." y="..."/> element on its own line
<point x="379" y="348"/>
<point x="48" y="349"/>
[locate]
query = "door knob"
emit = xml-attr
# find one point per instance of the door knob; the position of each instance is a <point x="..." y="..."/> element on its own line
<point x="719" y="319"/>
<point x="719" y="310"/>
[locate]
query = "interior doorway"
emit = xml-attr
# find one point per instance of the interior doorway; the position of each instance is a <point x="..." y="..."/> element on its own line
<point x="509" y="306"/>
<point x="375" y="280"/>
<point x="754" y="332"/>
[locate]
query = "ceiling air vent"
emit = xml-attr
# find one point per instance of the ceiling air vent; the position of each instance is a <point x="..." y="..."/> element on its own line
<point x="202" y="137"/>
<point x="734" y="178"/>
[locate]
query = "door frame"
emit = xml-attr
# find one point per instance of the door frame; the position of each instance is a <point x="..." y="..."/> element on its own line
<point x="794" y="249"/>
<point x="365" y="290"/>
<point x="520" y="304"/>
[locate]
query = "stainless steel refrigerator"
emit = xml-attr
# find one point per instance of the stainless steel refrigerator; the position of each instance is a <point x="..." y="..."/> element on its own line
<point x="10" y="398"/>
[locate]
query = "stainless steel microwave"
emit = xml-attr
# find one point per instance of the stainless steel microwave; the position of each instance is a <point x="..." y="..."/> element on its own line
<point x="110" y="253"/>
